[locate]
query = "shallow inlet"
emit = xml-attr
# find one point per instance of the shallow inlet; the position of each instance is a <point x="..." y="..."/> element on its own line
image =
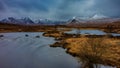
<point x="24" y="50"/>
<point x="90" y="32"/>
<point x="86" y="31"/>
<point x="19" y="51"/>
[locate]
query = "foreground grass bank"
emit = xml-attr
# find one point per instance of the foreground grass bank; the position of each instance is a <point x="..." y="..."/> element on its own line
<point x="99" y="50"/>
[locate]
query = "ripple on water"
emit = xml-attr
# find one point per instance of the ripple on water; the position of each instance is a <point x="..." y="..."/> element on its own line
<point x="18" y="51"/>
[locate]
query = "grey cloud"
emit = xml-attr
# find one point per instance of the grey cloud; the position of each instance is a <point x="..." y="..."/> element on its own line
<point x="26" y="5"/>
<point x="60" y="9"/>
<point x="2" y="7"/>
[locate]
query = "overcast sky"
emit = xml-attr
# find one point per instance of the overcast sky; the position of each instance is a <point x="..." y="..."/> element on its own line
<point x="58" y="9"/>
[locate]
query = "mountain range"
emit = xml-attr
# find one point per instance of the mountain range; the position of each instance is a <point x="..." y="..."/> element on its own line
<point x="28" y="21"/>
<point x="97" y="19"/>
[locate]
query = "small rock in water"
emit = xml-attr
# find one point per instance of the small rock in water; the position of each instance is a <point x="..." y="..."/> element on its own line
<point x="26" y="35"/>
<point x="59" y="38"/>
<point x="37" y="36"/>
<point x="1" y="35"/>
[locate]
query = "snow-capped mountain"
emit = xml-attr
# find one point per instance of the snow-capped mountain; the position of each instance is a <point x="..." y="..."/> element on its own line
<point x="49" y="22"/>
<point x="28" y="21"/>
<point x="97" y="18"/>
<point x="12" y="20"/>
<point x="45" y="22"/>
<point x="76" y="20"/>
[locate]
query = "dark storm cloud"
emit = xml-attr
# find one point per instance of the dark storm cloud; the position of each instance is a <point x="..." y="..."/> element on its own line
<point x="59" y="9"/>
<point x="75" y="8"/>
<point x="27" y="5"/>
<point x="2" y="7"/>
<point x="108" y="7"/>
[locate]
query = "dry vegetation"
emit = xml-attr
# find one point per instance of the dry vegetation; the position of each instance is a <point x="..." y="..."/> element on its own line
<point x="97" y="51"/>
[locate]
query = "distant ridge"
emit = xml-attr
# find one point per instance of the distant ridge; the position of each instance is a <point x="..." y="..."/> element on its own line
<point x="28" y="21"/>
<point x="96" y="19"/>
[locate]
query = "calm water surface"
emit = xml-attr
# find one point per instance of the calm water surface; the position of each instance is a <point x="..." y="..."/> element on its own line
<point x="19" y="51"/>
<point x="86" y="31"/>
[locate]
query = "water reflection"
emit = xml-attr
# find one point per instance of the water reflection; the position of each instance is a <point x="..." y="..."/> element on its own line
<point x="18" y="51"/>
<point x="86" y="31"/>
<point x="90" y="32"/>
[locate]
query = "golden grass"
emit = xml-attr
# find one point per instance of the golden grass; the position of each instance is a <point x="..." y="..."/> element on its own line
<point x="110" y="48"/>
<point x="107" y="51"/>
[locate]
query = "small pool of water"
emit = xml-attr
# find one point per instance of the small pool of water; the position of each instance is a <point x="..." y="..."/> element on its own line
<point x="86" y="31"/>
<point x="115" y="34"/>
<point x="102" y="66"/>
<point x="89" y="32"/>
